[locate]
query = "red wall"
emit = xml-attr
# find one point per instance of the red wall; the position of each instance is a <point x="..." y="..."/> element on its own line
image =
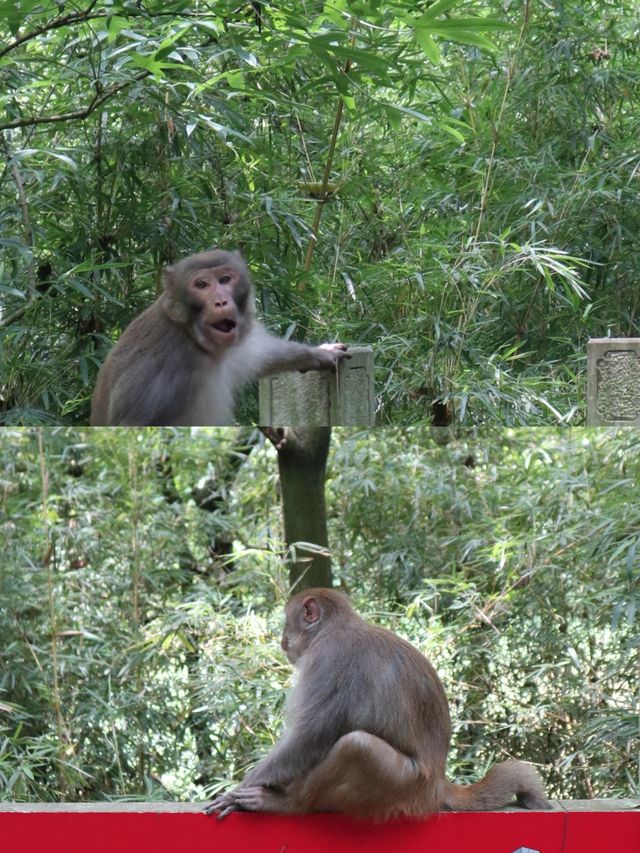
<point x="171" y="832"/>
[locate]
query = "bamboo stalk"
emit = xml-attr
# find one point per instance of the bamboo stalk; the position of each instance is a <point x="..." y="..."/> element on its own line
<point x="325" y="180"/>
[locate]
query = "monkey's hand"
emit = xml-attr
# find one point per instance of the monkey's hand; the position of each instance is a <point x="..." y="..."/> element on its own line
<point x="252" y="798"/>
<point x="327" y="356"/>
<point x="259" y="798"/>
<point x="224" y="803"/>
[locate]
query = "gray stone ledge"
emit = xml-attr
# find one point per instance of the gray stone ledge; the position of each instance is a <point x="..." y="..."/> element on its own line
<point x="602" y="805"/>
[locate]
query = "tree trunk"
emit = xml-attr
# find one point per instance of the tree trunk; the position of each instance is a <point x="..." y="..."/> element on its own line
<point x="302" y="462"/>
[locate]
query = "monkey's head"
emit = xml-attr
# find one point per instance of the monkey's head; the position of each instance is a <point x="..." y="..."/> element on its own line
<point x="210" y="295"/>
<point x="309" y="614"/>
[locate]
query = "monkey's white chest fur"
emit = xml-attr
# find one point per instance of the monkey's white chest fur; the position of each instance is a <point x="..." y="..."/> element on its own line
<point x="219" y="379"/>
<point x="213" y="405"/>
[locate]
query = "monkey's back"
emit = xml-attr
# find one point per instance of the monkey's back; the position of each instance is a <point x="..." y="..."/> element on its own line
<point x="361" y="668"/>
<point x="419" y="717"/>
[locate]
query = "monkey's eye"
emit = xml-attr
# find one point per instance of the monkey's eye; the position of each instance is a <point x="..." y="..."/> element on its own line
<point x="200" y="284"/>
<point x="224" y="279"/>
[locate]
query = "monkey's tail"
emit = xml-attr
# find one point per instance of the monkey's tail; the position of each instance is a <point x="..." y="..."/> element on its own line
<point x="498" y="788"/>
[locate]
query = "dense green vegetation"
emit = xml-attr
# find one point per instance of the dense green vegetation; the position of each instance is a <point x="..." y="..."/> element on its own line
<point x="481" y="212"/>
<point x="142" y="584"/>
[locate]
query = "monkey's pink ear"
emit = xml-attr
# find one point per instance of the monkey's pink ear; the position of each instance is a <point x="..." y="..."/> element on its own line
<point x="310" y="609"/>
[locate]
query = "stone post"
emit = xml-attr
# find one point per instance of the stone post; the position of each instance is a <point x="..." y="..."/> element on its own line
<point x="613" y="382"/>
<point x="322" y="398"/>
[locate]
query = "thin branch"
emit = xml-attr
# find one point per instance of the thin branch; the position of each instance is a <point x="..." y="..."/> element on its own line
<point x="73" y="18"/>
<point x="5" y="322"/>
<point x="491" y="165"/>
<point x="83" y="17"/>
<point x="95" y="103"/>
<point x="24" y="206"/>
<point x="303" y="142"/>
<point x="53" y="616"/>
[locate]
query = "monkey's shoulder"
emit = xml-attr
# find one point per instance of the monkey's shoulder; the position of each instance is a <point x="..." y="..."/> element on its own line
<point x="386" y="640"/>
<point x="150" y="331"/>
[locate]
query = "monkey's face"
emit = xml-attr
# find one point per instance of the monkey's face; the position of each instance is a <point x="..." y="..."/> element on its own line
<point x="209" y="295"/>
<point x="302" y="621"/>
<point x="217" y="298"/>
<point x="288" y="644"/>
<point x="213" y="303"/>
<point x="294" y="639"/>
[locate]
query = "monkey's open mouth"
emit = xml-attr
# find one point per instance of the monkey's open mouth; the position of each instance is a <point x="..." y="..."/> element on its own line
<point x="225" y="326"/>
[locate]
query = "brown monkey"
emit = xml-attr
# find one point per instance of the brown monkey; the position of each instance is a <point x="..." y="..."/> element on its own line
<point x="368" y="728"/>
<point x="181" y="361"/>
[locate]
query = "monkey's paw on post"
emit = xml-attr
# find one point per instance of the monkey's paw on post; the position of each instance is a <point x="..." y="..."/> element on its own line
<point x="328" y="356"/>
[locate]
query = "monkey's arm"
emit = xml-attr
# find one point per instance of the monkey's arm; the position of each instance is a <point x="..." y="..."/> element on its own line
<point x="299" y="750"/>
<point x="293" y="756"/>
<point x="290" y="758"/>
<point x="270" y="354"/>
<point x="146" y="379"/>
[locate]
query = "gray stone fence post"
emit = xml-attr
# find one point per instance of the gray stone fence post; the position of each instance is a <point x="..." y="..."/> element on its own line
<point x="322" y="398"/>
<point x="613" y="382"/>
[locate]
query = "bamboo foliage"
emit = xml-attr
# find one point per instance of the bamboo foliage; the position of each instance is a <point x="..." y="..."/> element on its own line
<point x="376" y="162"/>
<point x="144" y="573"/>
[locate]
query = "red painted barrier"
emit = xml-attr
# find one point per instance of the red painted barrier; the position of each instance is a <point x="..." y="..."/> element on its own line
<point x="162" y="828"/>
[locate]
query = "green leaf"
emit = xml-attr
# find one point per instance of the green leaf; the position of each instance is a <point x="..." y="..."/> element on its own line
<point x="207" y="25"/>
<point x="224" y="130"/>
<point x="481" y="24"/>
<point x="166" y="45"/>
<point x="410" y="112"/>
<point x="332" y="13"/>
<point x="393" y="116"/>
<point x="466" y="37"/>
<point x="452" y="131"/>
<point x="341" y="83"/>
<point x="427" y="44"/>
<point x="114" y="25"/>
<point x="364" y="59"/>
<point x="329" y="39"/>
<point x="438" y="8"/>
<point x="64" y="158"/>
<point x="236" y="79"/>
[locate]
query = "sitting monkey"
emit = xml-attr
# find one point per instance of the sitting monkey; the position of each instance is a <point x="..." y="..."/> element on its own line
<point x="368" y="729"/>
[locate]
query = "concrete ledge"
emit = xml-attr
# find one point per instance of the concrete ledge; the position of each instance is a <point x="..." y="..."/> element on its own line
<point x="322" y="398"/>
<point x="595" y="826"/>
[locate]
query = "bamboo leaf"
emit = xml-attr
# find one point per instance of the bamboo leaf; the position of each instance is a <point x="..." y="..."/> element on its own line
<point x="427" y="44"/>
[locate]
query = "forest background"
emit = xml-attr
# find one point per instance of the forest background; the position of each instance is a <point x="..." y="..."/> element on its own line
<point x="144" y="573"/>
<point x="471" y="170"/>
